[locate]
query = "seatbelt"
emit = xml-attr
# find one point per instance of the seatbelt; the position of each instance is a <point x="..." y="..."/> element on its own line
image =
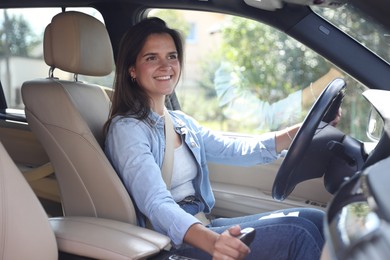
<point x="167" y="166"/>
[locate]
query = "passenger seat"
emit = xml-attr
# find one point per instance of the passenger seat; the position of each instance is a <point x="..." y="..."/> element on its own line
<point x="67" y="117"/>
<point x="25" y="232"/>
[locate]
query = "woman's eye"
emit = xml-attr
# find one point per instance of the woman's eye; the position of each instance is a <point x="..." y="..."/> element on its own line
<point x="172" y="57"/>
<point x="150" y="58"/>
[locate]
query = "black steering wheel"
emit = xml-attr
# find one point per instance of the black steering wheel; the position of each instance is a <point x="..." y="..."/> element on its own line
<point x="324" y="109"/>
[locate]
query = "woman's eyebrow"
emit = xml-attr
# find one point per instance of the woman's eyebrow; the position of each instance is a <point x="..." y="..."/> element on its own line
<point x="149" y="53"/>
<point x="155" y="53"/>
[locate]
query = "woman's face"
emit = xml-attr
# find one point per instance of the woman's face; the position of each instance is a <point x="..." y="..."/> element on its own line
<point x="157" y="66"/>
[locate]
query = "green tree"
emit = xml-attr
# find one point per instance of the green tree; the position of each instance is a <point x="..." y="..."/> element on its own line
<point x="276" y="64"/>
<point x="16" y="37"/>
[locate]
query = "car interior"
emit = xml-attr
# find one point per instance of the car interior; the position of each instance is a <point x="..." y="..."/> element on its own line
<point x="60" y="198"/>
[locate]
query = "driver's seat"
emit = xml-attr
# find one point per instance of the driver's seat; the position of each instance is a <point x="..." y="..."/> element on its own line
<point x="68" y="116"/>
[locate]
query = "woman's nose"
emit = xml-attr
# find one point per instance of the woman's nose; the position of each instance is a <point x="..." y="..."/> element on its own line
<point x="165" y="64"/>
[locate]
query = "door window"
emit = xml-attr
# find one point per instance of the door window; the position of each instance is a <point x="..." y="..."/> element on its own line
<point x="244" y="77"/>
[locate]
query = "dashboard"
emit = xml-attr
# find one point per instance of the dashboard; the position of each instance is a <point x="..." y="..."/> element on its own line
<point x="357" y="225"/>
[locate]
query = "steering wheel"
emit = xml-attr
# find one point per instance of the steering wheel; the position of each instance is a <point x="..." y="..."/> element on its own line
<point x="322" y="110"/>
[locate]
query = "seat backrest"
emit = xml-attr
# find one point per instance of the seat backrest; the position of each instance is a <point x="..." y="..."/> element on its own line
<point x="25" y="232"/>
<point x="68" y="116"/>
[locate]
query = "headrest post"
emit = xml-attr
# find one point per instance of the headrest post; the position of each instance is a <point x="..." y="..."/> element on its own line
<point x="75" y="77"/>
<point x="51" y="72"/>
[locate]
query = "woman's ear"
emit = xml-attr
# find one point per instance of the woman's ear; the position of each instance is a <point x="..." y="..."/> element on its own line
<point x="132" y="72"/>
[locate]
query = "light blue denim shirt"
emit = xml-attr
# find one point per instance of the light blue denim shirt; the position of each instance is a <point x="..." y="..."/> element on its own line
<point x="136" y="150"/>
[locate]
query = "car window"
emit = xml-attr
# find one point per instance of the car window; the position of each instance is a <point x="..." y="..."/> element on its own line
<point x="21" y="50"/>
<point x="245" y="77"/>
<point x="358" y="25"/>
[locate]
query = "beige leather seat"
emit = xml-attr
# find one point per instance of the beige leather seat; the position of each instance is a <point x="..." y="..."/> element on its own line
<point x="67" y="117"/>
<point x="25" y="232"/>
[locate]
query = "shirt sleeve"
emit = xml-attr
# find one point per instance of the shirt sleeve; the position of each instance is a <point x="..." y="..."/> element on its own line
<point x="240" y="151"/>
<point x="234" y="150"/>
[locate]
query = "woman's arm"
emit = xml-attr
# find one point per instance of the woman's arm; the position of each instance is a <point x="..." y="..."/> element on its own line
<point x="314" y="90"/>
<point x="131" y="148"/>
<point x="218" y="148"/>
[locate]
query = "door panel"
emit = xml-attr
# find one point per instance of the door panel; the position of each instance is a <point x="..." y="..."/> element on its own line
<point x="247" y="190"/>
<point x="32" y="160"/>
<point x="21" y="144"/>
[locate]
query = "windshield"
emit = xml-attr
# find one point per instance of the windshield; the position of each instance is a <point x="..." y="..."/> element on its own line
<point x="359" y="26"/>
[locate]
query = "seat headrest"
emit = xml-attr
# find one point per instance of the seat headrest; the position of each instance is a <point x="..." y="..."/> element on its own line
<point x="78" y="43"/>
<point x="47" y="52"/>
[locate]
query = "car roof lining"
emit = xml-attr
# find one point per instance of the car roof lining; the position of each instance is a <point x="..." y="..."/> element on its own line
<point x="378" y="9"/>
<point x="228" y="7"/>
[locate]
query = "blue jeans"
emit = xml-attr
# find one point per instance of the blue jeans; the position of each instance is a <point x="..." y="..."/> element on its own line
<point x="287" y="237"/>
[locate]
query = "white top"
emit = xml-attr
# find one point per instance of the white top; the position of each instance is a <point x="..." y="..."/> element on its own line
<point x="184" y="171"/>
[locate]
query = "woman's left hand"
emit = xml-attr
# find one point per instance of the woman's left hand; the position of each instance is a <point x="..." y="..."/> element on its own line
<point x="337" y="119"/>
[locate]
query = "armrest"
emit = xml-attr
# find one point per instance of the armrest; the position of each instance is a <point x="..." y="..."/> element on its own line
<point x="106" y="239"/>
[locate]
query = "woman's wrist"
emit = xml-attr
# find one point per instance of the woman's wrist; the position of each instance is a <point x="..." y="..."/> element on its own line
<point x="201" y="237"/>
<point x="289" y="135"/>
<point x="285" y="137"/>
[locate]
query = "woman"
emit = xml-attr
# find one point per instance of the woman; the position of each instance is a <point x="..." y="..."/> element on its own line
<point x="148" y="68"/>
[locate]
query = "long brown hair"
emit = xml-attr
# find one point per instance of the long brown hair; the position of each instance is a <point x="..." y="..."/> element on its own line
<point x="129" y="99"/>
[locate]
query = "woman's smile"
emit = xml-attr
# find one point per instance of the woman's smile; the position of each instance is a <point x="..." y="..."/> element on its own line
<point x="163" y="77"/>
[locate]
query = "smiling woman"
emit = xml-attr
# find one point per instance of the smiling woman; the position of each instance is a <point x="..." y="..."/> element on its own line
<point x="148" y="69"/>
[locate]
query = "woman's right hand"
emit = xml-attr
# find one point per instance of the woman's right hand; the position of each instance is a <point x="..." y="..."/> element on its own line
<point x="228" y="246"/>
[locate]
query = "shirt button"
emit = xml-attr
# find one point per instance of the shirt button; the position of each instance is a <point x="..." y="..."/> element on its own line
<point x="193" y="144"/>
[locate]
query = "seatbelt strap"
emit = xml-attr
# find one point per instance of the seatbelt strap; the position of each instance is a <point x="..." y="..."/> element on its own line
<point x="167" y="166"/>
